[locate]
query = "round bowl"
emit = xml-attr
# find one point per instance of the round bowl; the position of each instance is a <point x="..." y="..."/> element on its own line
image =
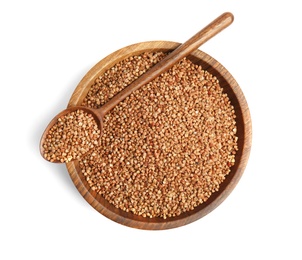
<point x="243" y="120"/>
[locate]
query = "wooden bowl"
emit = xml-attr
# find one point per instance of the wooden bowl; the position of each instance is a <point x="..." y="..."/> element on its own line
<point x="230" y="86"/>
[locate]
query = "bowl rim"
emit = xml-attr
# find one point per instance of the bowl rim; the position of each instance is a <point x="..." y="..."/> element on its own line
<point x="130" y="219"/>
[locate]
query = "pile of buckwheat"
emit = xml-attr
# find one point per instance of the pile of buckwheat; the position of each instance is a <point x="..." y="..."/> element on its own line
<point x="73" y="135"/>
<point x="168" y="146"/>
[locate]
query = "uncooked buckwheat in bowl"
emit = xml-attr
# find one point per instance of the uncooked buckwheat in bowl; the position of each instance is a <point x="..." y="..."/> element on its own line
<point x="170" y="152"/>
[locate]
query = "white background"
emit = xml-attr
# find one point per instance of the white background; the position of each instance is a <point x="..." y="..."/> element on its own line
<point x="46" y="47"/>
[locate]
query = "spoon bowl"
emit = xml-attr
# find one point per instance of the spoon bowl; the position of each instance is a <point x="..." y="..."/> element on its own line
<point x="97" y="115"/>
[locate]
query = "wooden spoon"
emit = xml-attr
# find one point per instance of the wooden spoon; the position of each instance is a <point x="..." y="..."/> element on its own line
<point x="182" y="51"/>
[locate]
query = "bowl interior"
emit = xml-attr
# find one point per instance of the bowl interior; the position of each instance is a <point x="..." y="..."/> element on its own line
<point x="230" y="86"/>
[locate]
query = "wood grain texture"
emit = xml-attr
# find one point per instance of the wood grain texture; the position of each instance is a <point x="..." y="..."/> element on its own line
<point x="244" y="133"/>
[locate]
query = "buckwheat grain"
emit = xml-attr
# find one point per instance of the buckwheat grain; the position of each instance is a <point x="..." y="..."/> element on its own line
<point x="73" y="135"/>
<point x="168" y="146"/>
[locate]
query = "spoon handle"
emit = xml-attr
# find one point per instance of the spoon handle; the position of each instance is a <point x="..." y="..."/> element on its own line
<point x="179" y="53"/>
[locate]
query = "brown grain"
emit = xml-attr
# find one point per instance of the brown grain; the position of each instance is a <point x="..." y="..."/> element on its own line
<point x="168" y="146"/>
<point x="73" y="135"/>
